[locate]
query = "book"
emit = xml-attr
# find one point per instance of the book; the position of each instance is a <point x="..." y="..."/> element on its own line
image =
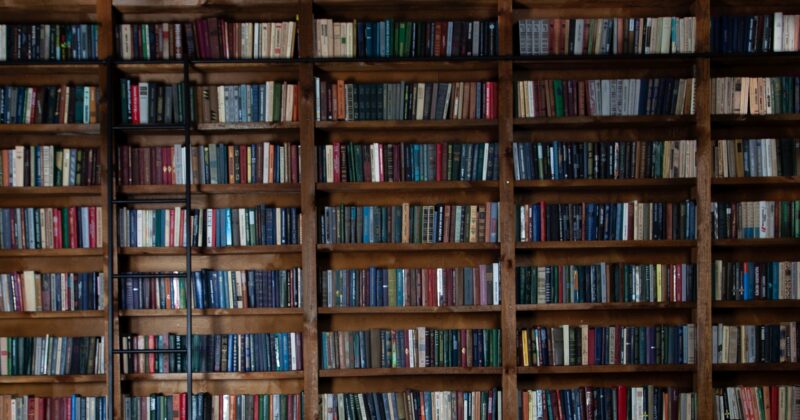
<point x="213" y="228"/>
<point x="756" y="158"/>
<point x="43" y="166"/>
<point x="52" y="355"/>
<point x="65" y="104"/>
<point x="29" y="291"/>
<point x="208" y="406"/>
<point x="621" y="402"/>
<point x="399" y="162"/>
<point x="606" y="221"/>
<point x="606" y="36"/>
<point x="271" y="101"/>
<point x="75" y="407"/>
<point x="48" y="42"/>
<point x="603" y="98"/>
<point x="440" y="223"/>
<point x="755" y="34"/>
<point x="410" y="404"/>
<point x="564" y="160"/>
<point x="412" y="348"/>
<point x="214" y="289"/>
<point x="606" y="283"/>
<point x="755" y="280"/>
<point x="407" y="287"/>
<point x="776" y="343"/>
<point x="755" y="95"/>
<point x="395" y="38"/>
<point x="765" y="401"/>
<point x="154" y="102"/>
<point x="263" y="352"/>
<point x="588" y="345"/>
<point x="755" y="219"/>
<point x="70" y="227"/>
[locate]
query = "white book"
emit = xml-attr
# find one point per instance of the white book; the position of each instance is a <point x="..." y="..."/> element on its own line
<point x="3" y="42"/>
<point x="777" y="32"/>
<point x="144" y="103"/>
<point x="565" y="342"/>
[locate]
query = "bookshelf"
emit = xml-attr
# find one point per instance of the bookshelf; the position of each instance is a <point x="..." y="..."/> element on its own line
<point x="312" y="196"/>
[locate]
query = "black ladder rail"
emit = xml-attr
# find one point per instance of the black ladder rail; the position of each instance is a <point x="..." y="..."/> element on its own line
<point x="187" y="146"/>
<point x="110" y="238"/>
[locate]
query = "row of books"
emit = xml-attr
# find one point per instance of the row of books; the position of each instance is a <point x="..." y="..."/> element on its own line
<point x="51" y="228"/>
<point x="214" y="407"/>
<point x="776" y="32"/>
<point x="606" y="283"/>
<point x="29" y="291"/>
<point x="755" y="343"/>
<point x="48" y="42"/>
<point x="341" y="100"/>
<point x="455" y="405"/>
<point x="388" y="38"/>
<point x="209" y="38"/>
<point x="755" y="95"/>
<point x="153" y="102"/>
<point x="413" y="348"/>
<point x="265" y="352"/>
<point x="583" y="345"/>
<point x="52" y="355"/>
<point x="211" y="228"/>
<point x="780" y="402"/>
<point x="75" y="407"/>
<point x="409" y="224"/>
<point x="260" y="163"/>
<point x="756" y="219"/>
<point x="397" y="162"/>
<point x="264" y="102"/>
<point x="621" y="402"/>
<point x="604" y="160"/>
<point x="604" y="36"/>
<point x="463" y="286"/>
<point x="756" y="157"/>
<point x="214" y="289"/>
<point x="606" y="221"/>
<point x="603" y="98"/>
<point x="65" y="104"/>
<point x="49" y="166"/>
<point x="770" y="280"/>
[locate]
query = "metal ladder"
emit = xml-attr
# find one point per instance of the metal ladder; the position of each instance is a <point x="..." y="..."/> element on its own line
<point x="112" y="130"/>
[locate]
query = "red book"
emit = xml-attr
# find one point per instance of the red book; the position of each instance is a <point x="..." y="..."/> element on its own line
<point x="171" y="240"/>
<point x="73" y="227"/>
<point x="439" y="163"/>
<point x="243" y="164"/>
<point x="622" y="403"/>
<point x="437" y="39"/>
<point x="591" y="351"/>
<point x="337" y="175"/>
<point x="542" y="221"/>
<point x="134" y="98"/>
<point x="92" y="227"/>
<point x="773" y="406"/>
<point x="151" y="358"/>
<point x="213" y="31"/>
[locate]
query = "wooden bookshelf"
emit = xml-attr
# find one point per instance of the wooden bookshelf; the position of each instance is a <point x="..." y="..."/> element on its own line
<point x="310" y="195"/>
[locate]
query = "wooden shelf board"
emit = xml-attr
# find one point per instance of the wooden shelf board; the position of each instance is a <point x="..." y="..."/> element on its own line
<point x="583" y="121"/>
<point x="755" y="367"/>
<point x="755" y="119"/>
<point x="756" y="304"/>
<point x="251" y="126"/>
<point x="408" y="247"/>
<point x="782" y="181"/>
<point x="49" y="191"/>
<point x="231" y="250"/>
<point x="48" y="68"/>
<point x="677" y="183"/>
<point x="86" y="129"/>
<point x="214" y="376"/>
<point x="407" y="64"/>
<point x="753" y="243"/>
<point x="63" y="252"/>
<point x="596" y="369"/>
<point x="341" y="373"/>
<point x="408" y="309"/>
<point x="155" y="313"/>
<point x="209" y="189"/>
<point x="53" y="379"/>
<point x="405" y="124"/>
<point x="677" y="244"/>
<point x="406" y="186"/>
<point x="53" y="315"/>
<point x="613" y="306"/>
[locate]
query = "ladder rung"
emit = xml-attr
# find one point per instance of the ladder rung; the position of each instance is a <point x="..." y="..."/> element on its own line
<point x="150" y="201"/>
<point x="147" y="275"/>
<point x="157" y="351"/>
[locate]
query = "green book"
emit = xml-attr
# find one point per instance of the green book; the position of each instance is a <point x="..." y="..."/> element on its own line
<point x="558" y="94"/>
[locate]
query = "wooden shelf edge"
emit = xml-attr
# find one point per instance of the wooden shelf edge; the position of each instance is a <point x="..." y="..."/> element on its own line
<point x="61" y="252"/>
<point x="49" y="191"/>
<point x="756" y="304"/>
<point x="53" y="379"/>
<point x="343" y="373"/>
<point x="406" y="247"/>
<point x="664" y="244"/>
<point x="606" y="183"/>
<point x="231" y="250"/>
<point x="405" y="186"/>
<point x="21" y="316"/>
<point x="89" y="129"/>
<point x="595" y="369"/>
<point x="214" y="376"/>
<point x="756" y="367"/>
<point x="209" y="189"/>
<point x="612" y="306"/>
<point x="155" y="313"/>
<point x="409" y="309"/>
<point x="752" y="243"/>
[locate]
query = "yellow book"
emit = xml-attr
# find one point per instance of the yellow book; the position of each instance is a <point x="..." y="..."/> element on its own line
<point x="525" y="348"/>
<point x="659" y="284"/>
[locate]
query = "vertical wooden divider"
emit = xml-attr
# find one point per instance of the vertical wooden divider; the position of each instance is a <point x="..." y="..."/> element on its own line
<point x="508" y="315"/>
<point x="702" y="316"/>
<point x="105" y="49"/>
<point x="308" y="209"/>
